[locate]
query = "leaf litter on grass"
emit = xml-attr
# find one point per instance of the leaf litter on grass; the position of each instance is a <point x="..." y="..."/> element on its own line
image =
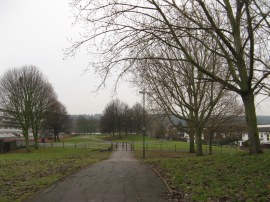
<point x="22" y="174"/>
<point x="237" y="177"/>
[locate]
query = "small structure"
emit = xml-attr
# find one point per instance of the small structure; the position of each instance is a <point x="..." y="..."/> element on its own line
<point x="9" y="128"/>
<point x="264" y="135"/>
<point x="7" y="146"/>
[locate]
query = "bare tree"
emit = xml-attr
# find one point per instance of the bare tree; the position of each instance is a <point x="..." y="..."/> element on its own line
<point x="137" y="118"/>
<point x="119" y="118"/>
<point x="181" y="90"/>
<point x="86" y="124"/>
<point x="26" y="95"/>
<point x="121" y="30"/>
<point x="110" y="121"/>
<point x="57" y="119"/>
<point x="226" y="114"/>
<point x="43" y="98"/>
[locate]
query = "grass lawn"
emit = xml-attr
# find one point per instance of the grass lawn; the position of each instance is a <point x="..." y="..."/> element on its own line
<point x="133" y="138"/>
<point x="22" y="173"/>
<point x="168" y="145"/>
<point x="85" y="138"/>
<point x="223" y="177"/>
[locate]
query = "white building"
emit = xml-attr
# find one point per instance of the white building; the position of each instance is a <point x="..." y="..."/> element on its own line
<point x="264" y="135"/>
<point x="8" y="127"/>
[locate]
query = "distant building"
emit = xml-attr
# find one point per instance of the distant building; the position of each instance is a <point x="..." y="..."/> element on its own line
<point x="8" y="126"/>
<point x="264" y="135"/>
<point x="235" y="131"/>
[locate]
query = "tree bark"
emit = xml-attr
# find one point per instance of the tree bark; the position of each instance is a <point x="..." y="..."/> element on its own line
<point x="55" y="133"/>
<point x="35" y="134"/>
<point x="25" y="134"/>
<point x="210" y="143"/>
<point x="191" y="143"/>
<point x="198" y="135"/>
<point x="251" y="120"/>
<point x="36" y="142"/>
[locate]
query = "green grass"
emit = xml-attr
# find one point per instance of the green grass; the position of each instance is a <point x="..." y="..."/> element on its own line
<point x="168" y="145"/>
<point x="85" y="138"/>
<point x="133" y="138"/>
<point x="22" y="173"/>
<point x="223" y="177"/>
<point x="97" y="141"/>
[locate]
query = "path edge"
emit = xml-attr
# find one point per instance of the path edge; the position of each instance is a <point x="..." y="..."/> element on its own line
<point x="28" y="199"/>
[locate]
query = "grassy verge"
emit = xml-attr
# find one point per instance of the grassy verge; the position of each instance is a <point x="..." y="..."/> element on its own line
<point x="133" y="138"/>
<point x="168" y="145"/>
<point x="22" y="174"/>
<point x="226" y="177"/>
<point x="85" y="138"/>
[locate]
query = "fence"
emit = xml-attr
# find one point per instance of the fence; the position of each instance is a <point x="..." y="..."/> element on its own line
<point x="131" y="146"/>
<point x="184" y="147"/>
<point x="21" y="143"/>
<point x="91" y="145"/>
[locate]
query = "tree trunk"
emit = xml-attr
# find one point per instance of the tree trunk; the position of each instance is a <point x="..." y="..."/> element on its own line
<point x="55" y="134"/>
<point x="25" y="134"/>
<point x="191" y="143"/>
<point x="36" y="142"/>
<point x="27" y="145"/>
<point x="35" y="134"/>
<point x="210" y="143"/>
<point x="199" y="150"/>
<point x="251" y="120"/>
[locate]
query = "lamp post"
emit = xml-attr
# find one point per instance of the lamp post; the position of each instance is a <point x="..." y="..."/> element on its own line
<point x="143" y="128"/>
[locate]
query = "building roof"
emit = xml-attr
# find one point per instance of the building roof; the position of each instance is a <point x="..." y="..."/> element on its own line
<point x="264" y="129"/>
<point x="263" y="120"/>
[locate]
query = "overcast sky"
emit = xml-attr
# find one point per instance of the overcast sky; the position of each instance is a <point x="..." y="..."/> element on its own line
<point x="35" y="32"/>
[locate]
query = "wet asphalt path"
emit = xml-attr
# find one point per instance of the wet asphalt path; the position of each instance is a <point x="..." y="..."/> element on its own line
<point x="122" y="178"/>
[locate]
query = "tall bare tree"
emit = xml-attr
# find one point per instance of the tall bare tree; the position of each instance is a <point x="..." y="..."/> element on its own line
<point x="181" y="90"/>
<point x="137" y="118"/>
<point x="226" y="114"/>
<point x="25" y="94"/>
<point x="120" y="30"/>
<point x="110" y="120"/>
<point x="57" y="119"/>
<point x="43" y="99"/>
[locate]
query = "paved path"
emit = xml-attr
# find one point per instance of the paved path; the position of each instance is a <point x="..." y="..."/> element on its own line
<point x="122" y="178"/>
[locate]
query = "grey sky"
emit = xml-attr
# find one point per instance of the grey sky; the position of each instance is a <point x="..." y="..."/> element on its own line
<point x="35" y="32"/>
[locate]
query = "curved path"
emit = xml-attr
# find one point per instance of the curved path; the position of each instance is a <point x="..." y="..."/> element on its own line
<point x="121" y="178"/>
